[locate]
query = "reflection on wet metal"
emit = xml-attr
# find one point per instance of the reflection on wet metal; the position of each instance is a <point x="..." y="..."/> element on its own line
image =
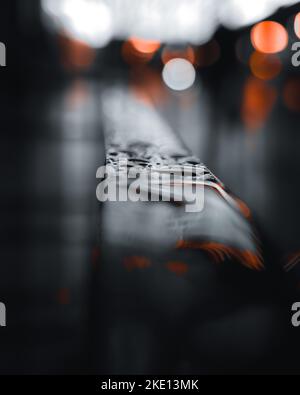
<point x="139" y="135"/>
<point x="292" y="261"/>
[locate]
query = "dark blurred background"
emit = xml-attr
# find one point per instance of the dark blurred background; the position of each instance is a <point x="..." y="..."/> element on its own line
<point x="240" y="117"/>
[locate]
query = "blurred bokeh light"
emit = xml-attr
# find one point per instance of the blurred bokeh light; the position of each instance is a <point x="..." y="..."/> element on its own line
<point x="237" y="13"/>
<point x="258" y="102"/>
<point x="297" y="25"/>
<point x="97" y="22"/>
<point x="179" y="74"/>
<point x="269" y="37"/>
<point x="265" y="66"/>
<point x="291" y="94"/>
<point x="173" y="52"/>
<point x="208" y="54"/>
<point x="88" y="21"/>
<point x="145" y="46"/>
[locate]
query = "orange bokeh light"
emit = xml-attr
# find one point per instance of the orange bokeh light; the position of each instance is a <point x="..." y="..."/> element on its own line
<point x="134" y="57"/>
<point x="77" y="95"/>
<point x="136" y="262"/>
<point x="187" y="53"/>
<point x="265" y="66"/>
<point x="208" y="54"/>
<point x="291" y="94"/>
<point x="145" y="46"/>
<point x="147" y="86"/>
<point x="269" y="37"/>
<point x="259" y="99"/>
<point x="76" y="55"/>
<point x="179" y="268"/>
<point x="297" y="25"/>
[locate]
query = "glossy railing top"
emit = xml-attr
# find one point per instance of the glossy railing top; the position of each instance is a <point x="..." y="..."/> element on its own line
<point x="138" y="137"/>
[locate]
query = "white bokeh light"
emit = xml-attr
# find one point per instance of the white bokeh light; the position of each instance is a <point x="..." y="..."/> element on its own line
<point x="235" y="13"/>
<point x="88" y="21"/>
<point x="239" y="13"/>
<point x="96" y="22"/>
<point x="179" y="74"/>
